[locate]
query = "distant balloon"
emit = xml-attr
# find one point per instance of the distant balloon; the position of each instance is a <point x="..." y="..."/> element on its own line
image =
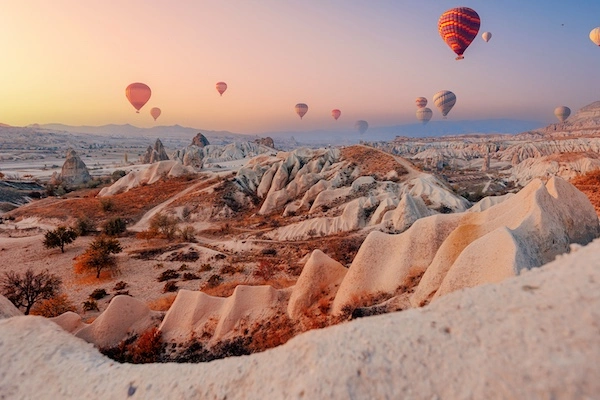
<point x="421" y="102"/>
<point x="444" y="101"/>
<point x="361" y="126"/>
<point x="424" y="115"/>
<point x="138" y="94"/>
<point x="336" y="113"/>
<point x="301" y="109"/>
<point x="155" y="112"/>
<point x="458" y="27"/>
<point x="486" y="36"/>
<point x="595" y="36"/>
<point x="562" y="113"/>
<point x="221" y="87"/>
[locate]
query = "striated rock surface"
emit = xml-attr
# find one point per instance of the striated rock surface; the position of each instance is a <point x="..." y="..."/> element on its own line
<point x="197" y="156"/>
<point x="155" y="154"/>
<point x="8" y="309"/>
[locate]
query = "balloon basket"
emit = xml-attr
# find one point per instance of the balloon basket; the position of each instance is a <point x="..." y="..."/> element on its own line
<point x="459" y="58"/>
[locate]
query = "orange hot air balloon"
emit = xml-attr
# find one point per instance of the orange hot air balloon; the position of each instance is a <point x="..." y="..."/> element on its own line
<point x="301" y="109"/>
<point x="155" y="112"/>
<point x="138" y="94"/>
<point x="221" y="87"/>
<point x="336" y="113"/>
<point x="458" y="27"/>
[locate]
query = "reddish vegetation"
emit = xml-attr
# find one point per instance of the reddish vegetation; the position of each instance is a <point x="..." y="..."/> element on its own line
<point x="372" y="161"/>
<point x="589" y="184"/>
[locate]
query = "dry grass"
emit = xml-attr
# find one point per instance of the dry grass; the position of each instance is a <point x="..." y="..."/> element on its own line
<point x="90" y="278"/>
<point x="589" y="184"/>
<point x="162" y="303"/>
<point x="372" y="162"/>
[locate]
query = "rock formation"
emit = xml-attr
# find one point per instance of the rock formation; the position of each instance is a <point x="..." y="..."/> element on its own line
<point x="154" y="154"/>
<point x="200" y="140"/>
<point x="266" y="141"/>
<point x="74" y="170"/>
<point x="198" y="156"/>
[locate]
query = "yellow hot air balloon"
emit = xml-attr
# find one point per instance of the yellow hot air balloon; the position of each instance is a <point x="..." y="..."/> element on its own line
<point x="336" y="113"/>
<point x="595" y="36"/>
<point x="155" y="112"/>
<point x="486" y="36"/>
<point x="424" y="115"/>
<point x="138" y="95"/>
<point x="301" y="109"/>
<point x="221" y="87"/>
<point x="562" y="113"/>
<point x="421" y="102"/>
<point x="361" y="126"/>
<point x="444" y="100"/>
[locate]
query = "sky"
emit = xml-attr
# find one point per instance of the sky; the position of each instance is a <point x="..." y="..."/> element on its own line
<point x="69" y="61"/>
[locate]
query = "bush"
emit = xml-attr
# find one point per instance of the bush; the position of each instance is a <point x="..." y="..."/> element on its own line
<point x="167" y="275"/>
<point x="90" y="305"/>
<point x="98" y="294"/>
<point x="84" y="226"/>
<point x="188" y="234"/>
<point x="213" y="281"/>
<point x="266" y="269"/>
<point x="205" y="268"/>
<point x="228" y="269"/>
<point x="24" y="291"/>
<point x="170" y="286"/>
<point x="165" y="225"/>
<point x="183" y="267"/>
<point x="59" y="238"/>
<point x="54" y="306"/>
<point x="99" y="256"/>
<point x="189" y="276"/>
<point x="114" y="227"/>
<point x="106" y="204"/>
<point x="118" y="174"/>
<point x="120" y="286"/>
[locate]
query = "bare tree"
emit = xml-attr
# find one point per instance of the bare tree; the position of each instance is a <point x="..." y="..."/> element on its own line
<point x="24" y="291"/>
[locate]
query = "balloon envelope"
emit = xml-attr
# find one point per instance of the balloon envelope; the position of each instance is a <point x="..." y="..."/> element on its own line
<point x="421" y="102"/>
<point x="138" y="94"/>
<point x="361" y="126"/>
<point x="486" y="36"/>
<point x="424" y="115"/>
<point x="562" y="113"/>
<point x="301" y="109"/>
<point x="444" y="100"/>
<point x="336" y="113"/>
<point x="458" y="27"/>
<point x="155" y="112"/>
<point x="595" y="36"/>
<point x="221" y="87"/>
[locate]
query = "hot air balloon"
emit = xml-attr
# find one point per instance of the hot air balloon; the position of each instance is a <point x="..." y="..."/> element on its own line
<point x="424" y="115"/>
<point x="301" y="109"/>
<point x="562" y="113"/>
<point x="221" y="87"/>
<point x="421" y="102"/>
<point x="336" y="113"/>
<point x="155" y="112"/>
<point x="361" y="126"/>
<point x="458" y="27"/>
<point x="444" y="100"/>
<point x="138" y="94"/>
<point x="486" y="36"/>
<point x="595" y="36"/>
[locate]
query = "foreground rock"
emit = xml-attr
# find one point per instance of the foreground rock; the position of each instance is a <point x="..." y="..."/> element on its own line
<point x="533" y="336"/>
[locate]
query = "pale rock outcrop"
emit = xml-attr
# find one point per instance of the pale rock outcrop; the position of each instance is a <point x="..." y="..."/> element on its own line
<point x="197" y="157"/>
<point x="489" y="201"/>
<point x="532" y="336"/>
<point x="524" y="231"/>
<point x="406" y="213"/>
<point x="566" y="167"/>
<point x="266" y="141"/>
<point x="70" y="322"/>
<point x="149" y="175"/>
<point x="320" y="278"/>
<point x="74" y="171"/>
<point x="154" y="154"/>
<point x="8" y="309"/>
<point x="124" y="317"/>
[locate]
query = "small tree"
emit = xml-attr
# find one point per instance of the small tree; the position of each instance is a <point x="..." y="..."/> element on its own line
<point x="24" y="291"/>
<point x="59" y="237"/>
<point x="164" y="224"/>
<point x="114" y="227"/>
<point x="99" y="256"/>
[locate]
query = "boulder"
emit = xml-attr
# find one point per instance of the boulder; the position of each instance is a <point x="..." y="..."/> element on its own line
<point x="74" y="171"/>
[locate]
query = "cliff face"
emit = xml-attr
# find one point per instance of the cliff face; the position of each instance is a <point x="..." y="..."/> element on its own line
<point x="74" y="171"/>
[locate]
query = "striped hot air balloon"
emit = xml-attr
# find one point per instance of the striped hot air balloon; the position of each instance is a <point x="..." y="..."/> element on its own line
<point x="421" y="102"/>
<point x="458" y="27"/>
<point x="444" y="100"/>
<point x="301" y="109"/>
<point x="424" y="115"/>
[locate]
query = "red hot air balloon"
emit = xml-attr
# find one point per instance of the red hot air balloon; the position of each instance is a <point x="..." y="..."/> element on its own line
<point x="138" y="94"/>
<point x="458" y="27"/>
<point x="155" y="112"/>
<point x="421" y="102"/>
<point x="221" y="87"/>
<point x="336" y="113"/>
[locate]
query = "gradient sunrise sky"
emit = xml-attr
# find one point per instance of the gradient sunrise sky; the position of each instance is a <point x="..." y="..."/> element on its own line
<point x="69" y="61"/>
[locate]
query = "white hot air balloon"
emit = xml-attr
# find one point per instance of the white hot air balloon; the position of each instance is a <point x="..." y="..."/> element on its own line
<point x="444" y="100"/>
<point x="486" y="36"/>
<point x="361" y="126"/>
<point x="424" y="115"/>
<point x="595" y="36"/>
<point x="421" y="102"/>
<point x="562" y="113"/>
